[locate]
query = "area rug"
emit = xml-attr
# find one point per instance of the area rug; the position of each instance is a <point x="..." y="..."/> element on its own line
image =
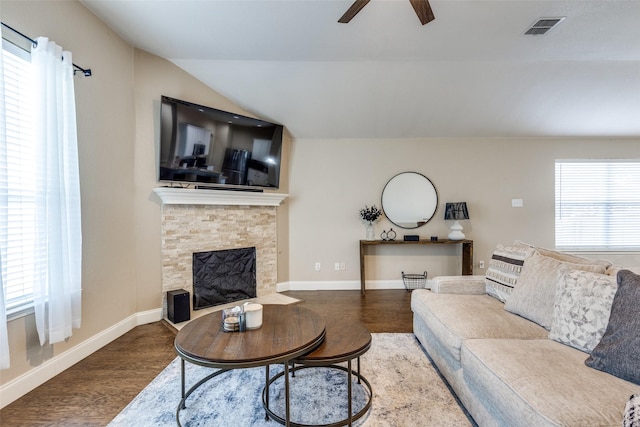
<point x="407" y="391"/>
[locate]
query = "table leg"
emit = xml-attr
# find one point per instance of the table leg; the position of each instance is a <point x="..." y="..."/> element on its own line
<point x="362" y="279"/>
<point x="286" y="394"/>
<point x="266" y="394"/>
<point x="349" y="392"/>
<point x="358" y="369"/>
<point x="467" y="258"/>
<point x="182" y="381"/>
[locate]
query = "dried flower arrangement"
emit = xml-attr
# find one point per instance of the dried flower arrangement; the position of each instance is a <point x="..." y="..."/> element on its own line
<point x="370" y="214"/>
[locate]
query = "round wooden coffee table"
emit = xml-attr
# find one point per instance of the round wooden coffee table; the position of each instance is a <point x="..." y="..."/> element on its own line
<point x="344" y="342"/>
<point x="287" y="332"/>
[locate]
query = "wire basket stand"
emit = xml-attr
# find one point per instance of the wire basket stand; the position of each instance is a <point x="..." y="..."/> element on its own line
<point x="414" y="281"/>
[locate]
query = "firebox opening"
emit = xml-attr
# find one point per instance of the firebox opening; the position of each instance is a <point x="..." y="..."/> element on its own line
<point x="221" y="277"/>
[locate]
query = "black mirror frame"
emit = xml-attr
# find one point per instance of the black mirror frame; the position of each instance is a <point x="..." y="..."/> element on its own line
<point x="421" y="221"/>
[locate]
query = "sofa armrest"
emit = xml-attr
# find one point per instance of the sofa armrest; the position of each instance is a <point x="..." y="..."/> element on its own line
<point x="469" y="285"/>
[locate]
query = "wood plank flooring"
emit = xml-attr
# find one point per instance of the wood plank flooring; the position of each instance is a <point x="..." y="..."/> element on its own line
<point x="97" y="388"/>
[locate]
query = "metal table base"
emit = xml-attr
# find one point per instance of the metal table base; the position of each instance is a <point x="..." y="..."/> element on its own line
<point x="351" y="417"/>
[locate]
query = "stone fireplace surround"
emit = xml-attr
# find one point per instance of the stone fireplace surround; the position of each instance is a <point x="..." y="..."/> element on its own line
<point x="209" y="220"/>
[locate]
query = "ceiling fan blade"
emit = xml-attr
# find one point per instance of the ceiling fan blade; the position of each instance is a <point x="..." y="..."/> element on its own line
<point x="353" y="11"/>
<point x="423" y="10"/>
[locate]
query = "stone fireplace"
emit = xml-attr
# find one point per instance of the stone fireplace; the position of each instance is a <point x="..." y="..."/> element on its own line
<point x="211" y="220"/>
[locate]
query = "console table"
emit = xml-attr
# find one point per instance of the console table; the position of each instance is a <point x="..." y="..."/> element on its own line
<point x="467" y="252"/>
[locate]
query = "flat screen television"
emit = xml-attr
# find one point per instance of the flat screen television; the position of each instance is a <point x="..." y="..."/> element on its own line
<point x="207" y="147"/>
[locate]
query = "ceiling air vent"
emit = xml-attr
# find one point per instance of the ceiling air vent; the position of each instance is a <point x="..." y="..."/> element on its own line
<point x="543" y="25"/>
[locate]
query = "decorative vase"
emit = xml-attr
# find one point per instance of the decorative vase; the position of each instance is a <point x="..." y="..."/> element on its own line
<point x="391" y="235"/>
<point x="371" y="232"/>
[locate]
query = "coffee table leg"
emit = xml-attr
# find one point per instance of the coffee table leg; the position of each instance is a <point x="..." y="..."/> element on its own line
<point x="182" y="381"/>
<point x="266" y="393"/>
<point x="349" y="392"/>
<point x="286" y="394"/>
<point x="358" y="369"/>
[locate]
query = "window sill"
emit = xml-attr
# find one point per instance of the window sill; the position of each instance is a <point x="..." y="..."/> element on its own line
<point x="629" y="251"/>
<point x="19" y="312"/>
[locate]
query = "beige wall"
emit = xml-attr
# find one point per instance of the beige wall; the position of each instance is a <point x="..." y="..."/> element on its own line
<point x="117" y="112"/>
<point x="331" y="180"/>
<point x="105" y="115"/>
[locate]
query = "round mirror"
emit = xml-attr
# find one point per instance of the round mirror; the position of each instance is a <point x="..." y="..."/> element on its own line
<point x="409" y="200"/>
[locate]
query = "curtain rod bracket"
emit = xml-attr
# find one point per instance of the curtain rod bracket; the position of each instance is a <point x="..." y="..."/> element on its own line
<point x="85" y="71"/>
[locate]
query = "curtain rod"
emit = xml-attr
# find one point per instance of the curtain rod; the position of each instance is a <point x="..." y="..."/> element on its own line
<point x="85" y="71"/>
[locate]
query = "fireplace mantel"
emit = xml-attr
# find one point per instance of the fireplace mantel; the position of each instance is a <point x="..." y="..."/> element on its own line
<point x="190" y="196"/>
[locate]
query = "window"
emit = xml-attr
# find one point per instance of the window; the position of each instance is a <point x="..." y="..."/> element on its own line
<point x="22" y="250"/>
<point x="598" y="205"/>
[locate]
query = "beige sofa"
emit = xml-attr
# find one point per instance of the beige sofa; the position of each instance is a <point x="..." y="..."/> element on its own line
<point x="503" y="367"/>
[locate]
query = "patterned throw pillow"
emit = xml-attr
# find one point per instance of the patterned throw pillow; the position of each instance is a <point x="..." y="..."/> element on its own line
<point x="617" y="352"/>
<point x="581" y="309"/>
<point x="504" y="269"/>
<point x="632" y="412"/>
<point x="535" y="294"/>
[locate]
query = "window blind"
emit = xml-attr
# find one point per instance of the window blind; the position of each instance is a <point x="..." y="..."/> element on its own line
<point x="597" y="205"/>
<point x="24" y="252"/>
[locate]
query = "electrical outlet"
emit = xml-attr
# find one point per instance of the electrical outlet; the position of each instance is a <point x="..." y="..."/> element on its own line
<point x="317" y="266"/>
<point x="343" y="266"/>
<point x="337" y="266"/>
<point x="481" y="264"/>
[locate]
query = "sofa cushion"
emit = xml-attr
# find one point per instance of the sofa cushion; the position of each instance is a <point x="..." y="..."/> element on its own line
<point x="535" y="293"/>
<point x="504" y="269"/>
<point x="454" y="318"/>
<point x="467" y="285"/>
<point x="617" y="353"/>
<point x="581" y="309"/>
<point x="542" y="383"/>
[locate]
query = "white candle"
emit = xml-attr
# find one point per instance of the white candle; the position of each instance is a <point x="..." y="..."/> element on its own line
<point x="253" y="315"/>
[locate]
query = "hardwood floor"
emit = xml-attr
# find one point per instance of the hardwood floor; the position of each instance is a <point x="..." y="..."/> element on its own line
<point x="97" y="388"/>
<point x="379" y="310"/>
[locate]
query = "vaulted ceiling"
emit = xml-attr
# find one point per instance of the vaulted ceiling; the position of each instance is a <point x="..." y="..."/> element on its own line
<point x="472" y="72"/>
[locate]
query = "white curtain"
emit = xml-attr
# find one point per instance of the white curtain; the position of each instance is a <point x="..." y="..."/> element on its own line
<point x="57" y="288"/>
<point x="4" y="339"/>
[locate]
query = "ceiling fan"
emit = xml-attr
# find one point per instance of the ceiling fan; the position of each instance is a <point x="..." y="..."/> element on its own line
<point x="422" y="8"/>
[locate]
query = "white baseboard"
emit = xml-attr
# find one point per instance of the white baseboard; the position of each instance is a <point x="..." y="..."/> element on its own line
<point x="337" y="285"/>
<point x="23" y="384"/>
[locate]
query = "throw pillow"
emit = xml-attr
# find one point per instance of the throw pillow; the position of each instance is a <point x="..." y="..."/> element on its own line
<point x="565" y="257"/>
<point x="503" y="270"/>
<point x="581" y="309"/>
<point x="535" y="294"/>
<point x="617" y="352"/>
<point x="632" y="412"/>
<point x="614" y="269"/>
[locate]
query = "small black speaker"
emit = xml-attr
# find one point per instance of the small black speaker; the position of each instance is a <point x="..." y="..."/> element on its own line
<point x="178" y="308"/>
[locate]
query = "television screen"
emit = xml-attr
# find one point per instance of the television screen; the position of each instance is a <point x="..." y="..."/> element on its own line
<point x="208" y="147"/>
